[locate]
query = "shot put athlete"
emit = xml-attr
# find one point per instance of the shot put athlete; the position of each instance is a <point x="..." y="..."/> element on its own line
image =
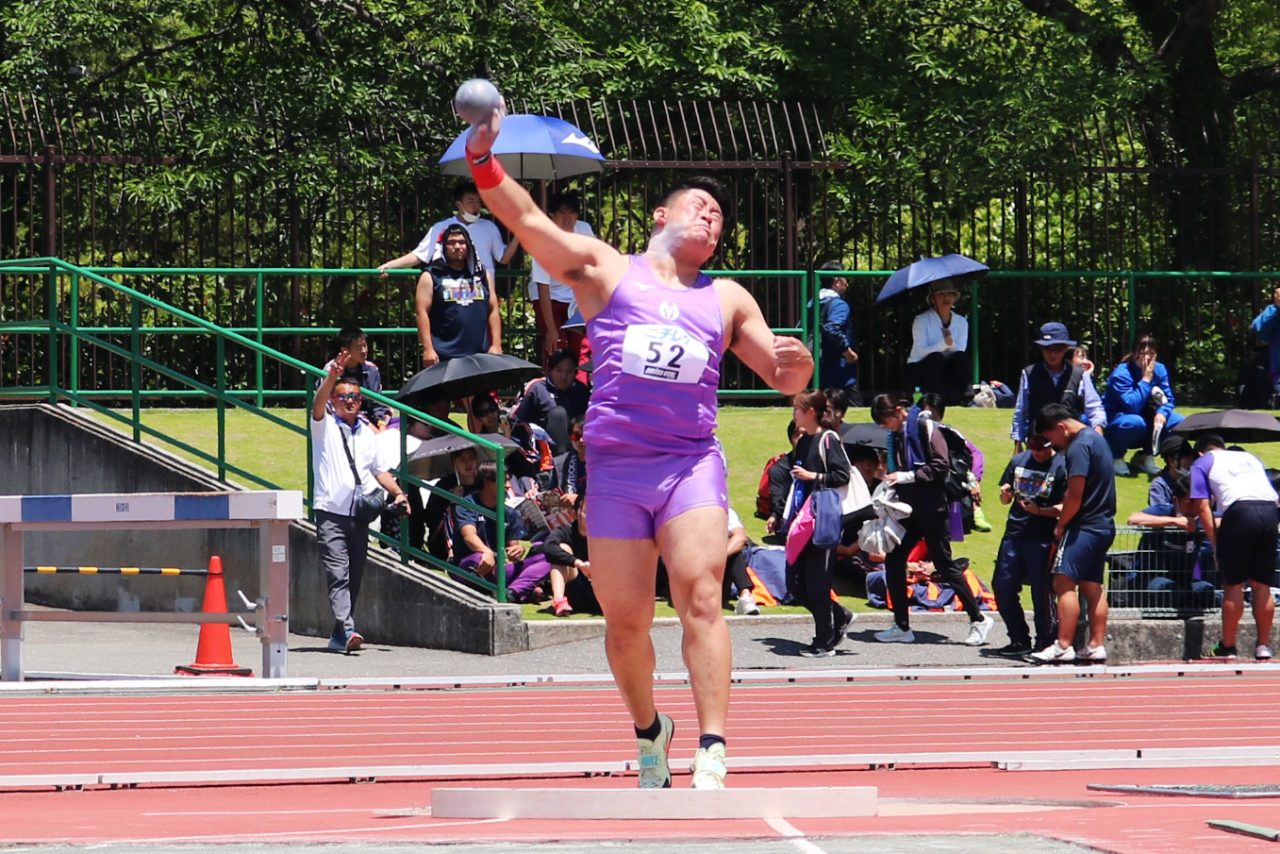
<point x="659" y="328"/>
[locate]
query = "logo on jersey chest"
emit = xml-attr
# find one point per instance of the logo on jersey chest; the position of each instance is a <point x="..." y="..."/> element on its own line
<point x="668" y="311"/>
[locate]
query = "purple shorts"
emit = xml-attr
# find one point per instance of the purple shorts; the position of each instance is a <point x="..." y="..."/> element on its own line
<point x="632" y="496"/>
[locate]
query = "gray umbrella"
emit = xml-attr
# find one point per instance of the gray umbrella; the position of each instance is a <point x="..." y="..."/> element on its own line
<point x="432" y="458"/>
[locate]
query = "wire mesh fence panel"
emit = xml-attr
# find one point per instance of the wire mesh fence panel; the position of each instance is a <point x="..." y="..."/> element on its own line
<point x="1162" y="572"/>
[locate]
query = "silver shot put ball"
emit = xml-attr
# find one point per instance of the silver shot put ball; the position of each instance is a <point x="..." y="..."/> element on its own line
<point x="476" y="100"/>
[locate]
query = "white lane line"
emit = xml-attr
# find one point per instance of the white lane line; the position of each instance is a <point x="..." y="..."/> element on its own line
<point x="794" y="835"/>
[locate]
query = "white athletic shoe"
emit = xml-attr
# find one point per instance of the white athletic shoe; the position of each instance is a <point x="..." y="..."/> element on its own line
<point x="1054" y="654"/>
<point x="708" y="767"/>
<point x="1262" y="652"/>
<point x="1093" y="653"/>
<point x="893" y="634"/>
<point x="655" y="772"/>
<point x="978" y="631"/>
<point x="746" y="605"/>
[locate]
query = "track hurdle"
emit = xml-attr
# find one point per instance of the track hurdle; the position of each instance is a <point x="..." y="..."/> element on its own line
<point x="267" y="511"/>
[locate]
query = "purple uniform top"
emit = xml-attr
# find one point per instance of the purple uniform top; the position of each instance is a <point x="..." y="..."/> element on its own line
<point x="657" y="366"/>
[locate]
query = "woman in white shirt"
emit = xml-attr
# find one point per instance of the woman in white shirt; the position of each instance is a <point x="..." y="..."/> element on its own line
<point x="939" y="345"/>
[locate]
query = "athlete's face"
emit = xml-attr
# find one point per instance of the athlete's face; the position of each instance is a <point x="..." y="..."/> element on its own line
<point x="694" y="216"/>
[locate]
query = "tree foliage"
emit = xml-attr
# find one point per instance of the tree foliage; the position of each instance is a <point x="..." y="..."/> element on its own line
<point x="957" y="94"/>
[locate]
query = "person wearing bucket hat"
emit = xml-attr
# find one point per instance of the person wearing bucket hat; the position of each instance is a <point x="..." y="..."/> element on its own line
<point x="1054" y="380"/>
<point x="939" y="345"/>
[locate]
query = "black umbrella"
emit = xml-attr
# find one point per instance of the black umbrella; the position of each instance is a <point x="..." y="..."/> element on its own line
<point x="1233" y="425"/>
<point x="465" y="376"/>
<point x="867" y="435"/>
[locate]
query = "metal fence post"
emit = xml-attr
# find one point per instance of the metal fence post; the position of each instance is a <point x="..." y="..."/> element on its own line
<point x="500" y="548"/>
<point x="73" y="343"/>
<point x="51" y="292"/>
<point x="135" y="367"/>
<point x="258" y="313"/>
<point x="220" y="350"/>
<point x="1131" y="316"/>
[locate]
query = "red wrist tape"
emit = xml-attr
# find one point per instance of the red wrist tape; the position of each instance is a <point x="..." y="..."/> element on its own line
<point x="486" y="170"/>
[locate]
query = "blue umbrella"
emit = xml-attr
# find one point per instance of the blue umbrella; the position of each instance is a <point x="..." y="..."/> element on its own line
<point x="926" y="270"/>
<point x="576" y="323"/>
<point x="532" y="148"/>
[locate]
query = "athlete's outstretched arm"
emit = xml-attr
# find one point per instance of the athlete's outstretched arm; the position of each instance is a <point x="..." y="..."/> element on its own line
<point x="589" y="266"/>
<point x="781" y="361"/>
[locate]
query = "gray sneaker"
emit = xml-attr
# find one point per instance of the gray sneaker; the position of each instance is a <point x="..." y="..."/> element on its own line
<point x="655" y="773"/>
<point x="708" y="767"/>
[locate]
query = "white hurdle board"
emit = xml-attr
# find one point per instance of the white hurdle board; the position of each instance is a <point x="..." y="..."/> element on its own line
<point x="618" y="804"/>
<point x="267" y="511"/>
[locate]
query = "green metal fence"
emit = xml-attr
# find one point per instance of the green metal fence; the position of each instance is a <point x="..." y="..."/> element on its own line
<point x="69" y="334"/>
<point x="257" y="303"/>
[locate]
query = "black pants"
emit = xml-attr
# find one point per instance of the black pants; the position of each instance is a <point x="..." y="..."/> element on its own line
<point x="735" y="573"/>
<point x="812" y="574"/>
<point x="932" y="528"/>
<point x="946" y="375"/>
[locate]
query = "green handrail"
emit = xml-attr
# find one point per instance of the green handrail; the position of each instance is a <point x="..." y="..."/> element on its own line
<point x="54" y="328"/>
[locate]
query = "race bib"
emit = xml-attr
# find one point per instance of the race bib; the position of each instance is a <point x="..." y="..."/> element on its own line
<point x="665" y="353"/>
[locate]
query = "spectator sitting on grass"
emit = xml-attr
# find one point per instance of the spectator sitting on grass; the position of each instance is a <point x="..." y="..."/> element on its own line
<point x="556" y="400"/>
<point x="566" y="549"/>
<point x="1172" y="558"/>
<point x="461" y="480"/>
<point x="571" y="466"/>
<point x="477" y="536"/>
<point x="869" y="464"/>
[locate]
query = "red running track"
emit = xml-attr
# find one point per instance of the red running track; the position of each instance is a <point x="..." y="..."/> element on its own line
<point x="100" y="734"/>
<point x="116" y="734"/>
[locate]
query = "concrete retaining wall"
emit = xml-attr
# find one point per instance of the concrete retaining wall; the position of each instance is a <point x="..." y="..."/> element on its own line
<point x="57" y="450"/>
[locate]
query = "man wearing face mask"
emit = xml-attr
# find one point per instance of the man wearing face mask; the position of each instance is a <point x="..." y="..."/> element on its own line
<point x="485" y="237"/>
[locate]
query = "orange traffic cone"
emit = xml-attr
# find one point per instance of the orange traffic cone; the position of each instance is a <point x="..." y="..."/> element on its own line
<point x="213" y="653"/>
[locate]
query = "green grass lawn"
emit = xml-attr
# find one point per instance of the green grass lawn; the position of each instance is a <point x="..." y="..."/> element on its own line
<point x="750" y="435"/>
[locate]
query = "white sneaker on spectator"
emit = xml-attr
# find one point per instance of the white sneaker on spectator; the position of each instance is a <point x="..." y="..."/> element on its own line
<point x="708" y="767"/>
<point x="655" y="772"/>
<point x="1093" y="653"/>
<point x="1053" y="653"/>
<point x="1121" y="468"/>
<point x="1262" y="652"/>
<point x="746" y="604"/>
<point x="893" y="634"/>
<point x="978" y="631"/>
